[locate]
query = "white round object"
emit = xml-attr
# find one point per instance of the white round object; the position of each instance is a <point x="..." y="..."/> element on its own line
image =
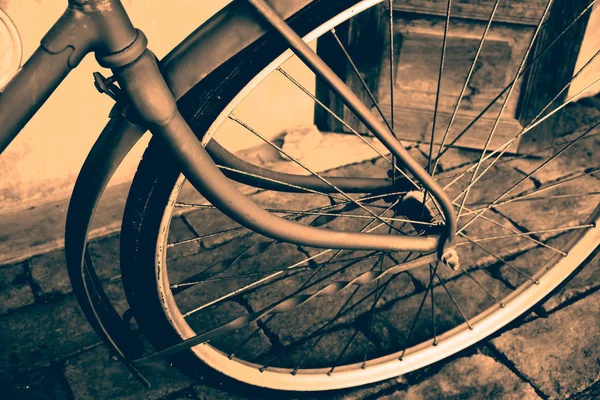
<point x="11" y="49"/>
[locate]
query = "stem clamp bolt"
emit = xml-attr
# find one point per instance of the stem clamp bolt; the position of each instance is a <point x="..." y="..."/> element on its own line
<point x="450" y="258"/>
<point x="107" y="86"/>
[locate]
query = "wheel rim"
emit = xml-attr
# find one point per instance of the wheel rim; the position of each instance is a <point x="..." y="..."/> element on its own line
<point x="378" y="368"/>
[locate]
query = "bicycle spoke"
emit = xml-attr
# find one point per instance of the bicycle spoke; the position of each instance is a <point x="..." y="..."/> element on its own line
<point x="293" y="214"/>
<point x="418" y="314"/>
<point x="312" y="265"/>
<point x="453" y="300"/>
<point x="318" y="176"/>
<point x="360" y="301"/>
<point x="464" y="88"/>
<point x="437" y="100"/>
<point x="481" y="286"/>
<point x="543" y="189"/>
<point x="392" y="81"/>
<point x="504" y="147"/>
<point x="528" y="176"/>
<point x="518" y="157"/>
<point x="431" y="275"/>
<point x="207" y="236"/>
<point x="531" y="65"/>
<point x="391" y="59"/>
<point x="321" y="329"/>
<point x="304" y="286"/>
<point x="519" y="199"/>
<point x="254" y="284"/>
<point x="371" y="312"/>
<point x="361" y="79"/>
<point x="275" y="274"/>
<point x="525" y="235"/>
<point x="249" y="338"/>
<point x="334" y="115"/>
<point x="439" y="87"/>
<point x="503" y="107"/>
<point x="569" y="228"/>
<point x="319" y="333"/>
<point x="529" y="277"/>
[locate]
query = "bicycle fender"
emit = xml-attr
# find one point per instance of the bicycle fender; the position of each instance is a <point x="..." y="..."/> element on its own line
<point x="235" y="27"/>
<point x="114" y="143"/>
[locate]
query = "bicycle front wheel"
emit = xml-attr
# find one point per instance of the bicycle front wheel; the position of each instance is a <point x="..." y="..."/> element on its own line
<point x="290" y="317"/>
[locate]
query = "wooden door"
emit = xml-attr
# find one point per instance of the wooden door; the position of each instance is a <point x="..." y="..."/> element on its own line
<point x="418" y="27"/>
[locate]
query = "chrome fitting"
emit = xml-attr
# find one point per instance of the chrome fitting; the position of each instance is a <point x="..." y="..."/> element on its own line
<point x="450" y="258"/>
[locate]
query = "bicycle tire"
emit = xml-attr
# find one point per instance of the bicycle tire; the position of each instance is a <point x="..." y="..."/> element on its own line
<point x="149" y="206"/>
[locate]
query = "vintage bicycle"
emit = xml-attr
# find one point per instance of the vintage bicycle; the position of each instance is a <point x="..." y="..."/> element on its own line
<point x="402" y="262"/>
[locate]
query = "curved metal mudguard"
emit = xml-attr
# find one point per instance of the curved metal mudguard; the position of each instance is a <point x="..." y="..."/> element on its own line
<point x="233" y="28"/>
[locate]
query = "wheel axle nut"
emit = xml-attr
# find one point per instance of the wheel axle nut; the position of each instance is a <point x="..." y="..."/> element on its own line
<point x="450" y="258"/>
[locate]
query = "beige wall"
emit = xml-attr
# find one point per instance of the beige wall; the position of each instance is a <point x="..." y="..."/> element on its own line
<point x="42" y="163"/>
<point x="589" y="47"/>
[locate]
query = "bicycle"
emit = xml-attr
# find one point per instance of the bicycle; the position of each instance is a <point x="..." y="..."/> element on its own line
<point x="363" y="251"/>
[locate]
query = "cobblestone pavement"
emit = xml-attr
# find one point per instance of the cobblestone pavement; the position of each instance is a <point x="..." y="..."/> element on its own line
<point x="49" y="351"/>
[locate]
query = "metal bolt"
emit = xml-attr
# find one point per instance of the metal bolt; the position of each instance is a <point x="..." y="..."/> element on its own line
<point x="450" y="258"/>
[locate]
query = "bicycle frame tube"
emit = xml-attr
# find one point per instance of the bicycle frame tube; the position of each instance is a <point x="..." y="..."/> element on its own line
<point x="101" y="26"/>
<point x="151" y="97"/>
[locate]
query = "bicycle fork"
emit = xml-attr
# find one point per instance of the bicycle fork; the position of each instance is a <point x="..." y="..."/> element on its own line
<point x="152" y="99"/>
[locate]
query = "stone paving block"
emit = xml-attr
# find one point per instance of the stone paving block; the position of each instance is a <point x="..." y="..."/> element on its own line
<point x="35" y="336"/>
<point x="491" y="185"/>
<point x="225" y="390"/>
<point x="586" y="280"/>
<point x="180" y="231"/>
<point x="43" y="384"/>
<point x="92" y="375"/>
<point x="591" y="393"/>
<point x="496" y="237"/>
<point x="453" y="158"/>
<point x="391" y="327"/>
<point x="475" y="377"/>
<point x="105" y="255"/>
<point x="206" y="392"/>
<point x="212" y="221"/>
<point x="323" y="352"/>
<point x="579" y="156"/>
<point x="554" y="213"/>
<point x="523" y="267"/>
<point x="15" y="291"/>
<point x="49" y="271"/>
<point x="372" y="391"/>
<point x="233" y="341"/>
<point x="556" y="354"/>
<point x="550" y="172"/>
